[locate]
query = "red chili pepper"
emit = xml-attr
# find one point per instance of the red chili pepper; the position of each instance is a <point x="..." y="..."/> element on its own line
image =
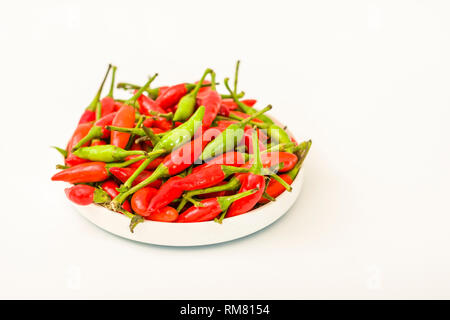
<point x="147" y="104"/>
<point x="83" y="195"/>
<point x="274" y="188"/>
<point x="124" y="118"/>
<point x="286" y="160"/>
<point x="252" y="180"/>
<point x="110" y="187"/>
<point x="249" y="181"/>
<point x="171" y="96"/>
<point x="80" y="132"/>
<point x="124" y="173"/>
<point x="141" y="199"/>
<point x="231" y="158"/>
<point x="210" y="99"/>
<point x="163" y="124"/>
<point x="211" y="208"/>
<point x="166" y="214"/>
<point x="168" y="192"/>
<point x="97" y="142"/>
<point x="174" y="187"/>
<point x="249" y="102"/>
<point x="208" y="176"/>
<point x="85" y="172"/>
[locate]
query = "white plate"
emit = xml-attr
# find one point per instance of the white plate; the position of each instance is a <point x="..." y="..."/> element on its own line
<point x="197" y="233"/>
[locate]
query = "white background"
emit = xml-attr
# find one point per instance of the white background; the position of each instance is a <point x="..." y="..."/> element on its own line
<point x="367" y="81"/>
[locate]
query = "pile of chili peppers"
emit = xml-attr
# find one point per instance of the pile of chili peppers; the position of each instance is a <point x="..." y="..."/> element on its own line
<point x="180" y="153"/>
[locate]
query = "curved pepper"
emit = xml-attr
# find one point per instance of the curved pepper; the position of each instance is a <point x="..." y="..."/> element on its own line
<point x="187" y="103"/>
<point x="211" y="208"/>
<point x="252" y="180"/>
<point x="106" y="153"/>
<point x="85" y="172"/>
<point x="168" y="192"/>
<point x="141" y="199"/>
<point x="80" y="132"/>
<point x="123" y="174"/>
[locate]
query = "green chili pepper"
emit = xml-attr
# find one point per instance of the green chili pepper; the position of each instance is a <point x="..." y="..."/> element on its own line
<point x="105" y="153"/>
<point x="278" y="135"/>
<point x="187" y="103"/>
<point x="229" y="138"/>
<point x="168" y="142"/>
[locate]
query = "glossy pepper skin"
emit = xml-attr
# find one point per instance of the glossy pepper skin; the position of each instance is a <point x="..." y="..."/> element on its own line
<point x="106" y="153"/>
<point x="110" y="187"/>
<point x="249" y="181"/>
<point x="89" y="113"/>
<point x="211" y="208"/>
<point x="285" y="160"/>
<point x="141" y="199"/>
<point x="166" y="214"/>
<point x="211" y="101"/>
<point x="186" y="104"/>
<point x="85" y="172"/>
<point x="123" y="174"/>
<point x="80" y="132"/>
<point x="84" y="195"/>
<point x="124" y="118"/>
<point x="278" y="135"/>
<point x="168" y="192"/>
<point x="171" y="96"/>
<point x="174" y="187"/>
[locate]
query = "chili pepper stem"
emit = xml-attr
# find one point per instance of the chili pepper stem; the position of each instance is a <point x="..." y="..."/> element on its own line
<point x="150" y="157"/>
<point x="132" y="136"/>
<point x="153" y="137"/>
<point x="94" y="132"/>
<point x="61" y="151"/>
<point x="193" y="201"/>
<point x="282" y="182"/>
<point x="93" y="105"/>
<point x="226" y="201"/>
<point x="113" y="78"/>
<point x="133" y="99"/>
